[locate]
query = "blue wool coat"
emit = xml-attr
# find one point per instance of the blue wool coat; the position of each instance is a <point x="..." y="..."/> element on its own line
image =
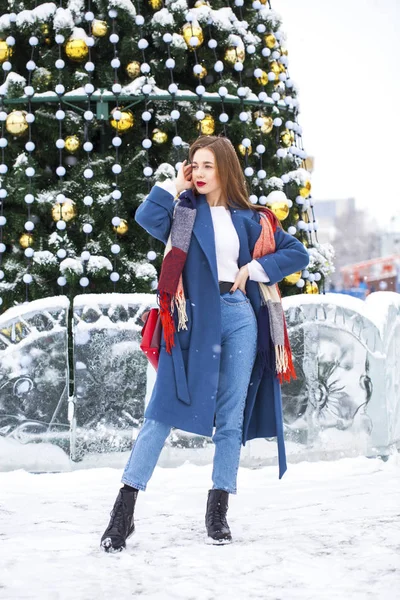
<point x="185" y="390"/>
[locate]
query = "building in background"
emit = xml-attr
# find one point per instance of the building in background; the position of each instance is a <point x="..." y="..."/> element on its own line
<point x="390" y="238"/>
<point x="352" y="233"/>
<point x="328" y="212"/>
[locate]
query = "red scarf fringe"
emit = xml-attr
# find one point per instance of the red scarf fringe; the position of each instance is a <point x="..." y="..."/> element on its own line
<point x="167" y="321"/>
<point x="290" y="372"/>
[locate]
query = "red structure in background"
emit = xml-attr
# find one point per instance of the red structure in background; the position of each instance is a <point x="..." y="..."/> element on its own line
<point x="376" y="274"/>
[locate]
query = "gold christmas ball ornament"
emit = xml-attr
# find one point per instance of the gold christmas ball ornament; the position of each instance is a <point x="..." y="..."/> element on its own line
<point x="201" y="3"/>
<point x="25" y="240"/>
<point x="76" y="49"/>
<point x="6" y="51"/>
<point x="133" y="69"/>
<point x="99" y="28"/>
<point x="280" y="210"/>
<point x="308" y="185"/>
<point x="284" y="51"/>
<point x="304" y="192"/>
<point x="270" y="40"/>
<point x="16" y="123"/>
<point x="286" y="138"/>
<point x="159" y="137"/>
<point x="230" y="56"/>
<point x="268" y="125"/>
<point x="311" y="288"/>
<point x="263" y="80"/>
<point x="156" y="4"/>
<point x="233" y="55"/>
<point x="242" y="149"/>
<point x="122" y="227"/>
<point x="72" y="143"/>
<point x="293" y="278"/>
<point x="202" y="74"/>
<point x="275" y="67"/>
<point x="192" y="30"/>
<point x="207" y="125"/>
<point x="126" y="121"/>
<point x="65" y="211"/>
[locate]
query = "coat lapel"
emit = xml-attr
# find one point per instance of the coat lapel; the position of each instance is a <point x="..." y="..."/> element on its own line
<point x="248" y="231"/>
<point x="204" y="231"/>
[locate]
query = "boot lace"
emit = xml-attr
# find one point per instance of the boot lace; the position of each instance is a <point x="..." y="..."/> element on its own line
<point x="217" y="515"/>
<point x="118" y="515"/>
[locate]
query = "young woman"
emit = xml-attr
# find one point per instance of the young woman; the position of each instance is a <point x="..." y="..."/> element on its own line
<point x="224" y="348"/>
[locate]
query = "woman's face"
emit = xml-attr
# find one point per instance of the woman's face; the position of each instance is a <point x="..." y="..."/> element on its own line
<point x="204" y="170"/>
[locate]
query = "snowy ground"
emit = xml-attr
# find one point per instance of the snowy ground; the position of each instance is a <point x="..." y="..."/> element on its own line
<point x="328" y="530"/>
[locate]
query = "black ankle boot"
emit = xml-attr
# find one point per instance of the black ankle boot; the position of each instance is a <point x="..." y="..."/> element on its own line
<point x="218" y="531"/>
<point x="121" y="524"/>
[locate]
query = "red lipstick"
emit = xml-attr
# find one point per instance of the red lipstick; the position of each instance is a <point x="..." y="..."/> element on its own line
<point x="200" y="183"/>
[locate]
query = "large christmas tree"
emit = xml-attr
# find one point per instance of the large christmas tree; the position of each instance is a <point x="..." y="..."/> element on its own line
<point x="101" y="98"/>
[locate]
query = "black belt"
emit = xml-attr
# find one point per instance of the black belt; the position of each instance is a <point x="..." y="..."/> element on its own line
<point x="224" y="286"/>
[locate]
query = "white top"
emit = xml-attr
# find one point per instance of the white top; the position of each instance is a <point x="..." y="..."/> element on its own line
<point x="226" y="242"/>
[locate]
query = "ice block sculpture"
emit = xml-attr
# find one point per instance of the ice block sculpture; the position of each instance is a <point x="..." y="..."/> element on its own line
<point x="346" y="397"/>
<point x="34" y="375"/>
<point x="109" y="371"/>
<point x="384" y="308"/>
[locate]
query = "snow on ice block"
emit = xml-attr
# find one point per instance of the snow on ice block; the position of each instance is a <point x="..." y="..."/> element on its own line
<point x="109" y="369"/>
<point x="347" y="358"/>
<point x="34" y="374"/>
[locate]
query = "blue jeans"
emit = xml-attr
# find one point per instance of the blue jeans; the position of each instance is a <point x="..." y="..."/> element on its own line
<point x="238" y="351"/>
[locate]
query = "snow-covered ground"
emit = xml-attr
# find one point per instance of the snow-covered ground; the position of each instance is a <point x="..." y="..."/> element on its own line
<point x="328" y="530"/>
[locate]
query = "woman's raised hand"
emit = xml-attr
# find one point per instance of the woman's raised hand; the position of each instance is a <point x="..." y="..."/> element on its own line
<point x="184" y="180"/>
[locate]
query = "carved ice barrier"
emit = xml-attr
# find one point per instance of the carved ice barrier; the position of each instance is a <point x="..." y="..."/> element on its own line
<point x="346" y="397"/>
<point x="34" y="374"/>
<point x="109" y="371"/>
<point x="345" y="401"/>
<point x="385" y="310"/>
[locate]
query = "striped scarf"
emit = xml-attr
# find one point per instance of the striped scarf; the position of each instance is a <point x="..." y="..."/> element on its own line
<point x="171" y="295"/>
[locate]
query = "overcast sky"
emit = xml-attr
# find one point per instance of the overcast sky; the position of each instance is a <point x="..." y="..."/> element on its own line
<point x="345" y="59"/>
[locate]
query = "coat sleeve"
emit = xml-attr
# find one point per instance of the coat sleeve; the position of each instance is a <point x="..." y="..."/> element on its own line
<point x="156" y="212"/>
<point x="289" y="256"/>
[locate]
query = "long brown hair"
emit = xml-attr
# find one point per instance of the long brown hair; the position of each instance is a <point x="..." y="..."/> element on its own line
<point x="229" y="169"/>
